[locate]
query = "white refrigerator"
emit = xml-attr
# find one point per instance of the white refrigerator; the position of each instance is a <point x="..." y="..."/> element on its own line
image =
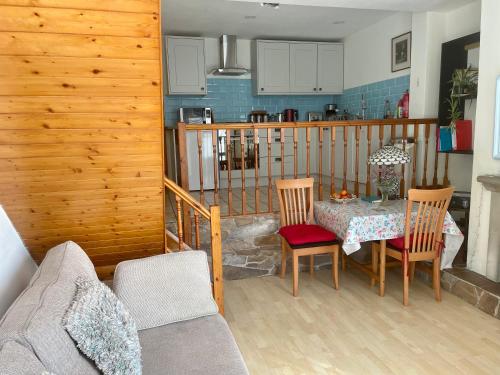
<point x="207" y="158"/>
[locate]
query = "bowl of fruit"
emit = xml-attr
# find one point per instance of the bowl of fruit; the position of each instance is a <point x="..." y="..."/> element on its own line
<point x="343" y="197"/>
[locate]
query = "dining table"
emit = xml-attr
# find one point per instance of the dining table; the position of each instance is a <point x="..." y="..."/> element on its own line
<point x="359" y="221"/>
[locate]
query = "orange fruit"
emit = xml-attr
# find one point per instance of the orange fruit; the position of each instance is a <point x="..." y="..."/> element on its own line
<point x="343" y="193"/>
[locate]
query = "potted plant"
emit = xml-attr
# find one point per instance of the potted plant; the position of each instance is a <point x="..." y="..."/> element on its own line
<point x="464" y="86"/>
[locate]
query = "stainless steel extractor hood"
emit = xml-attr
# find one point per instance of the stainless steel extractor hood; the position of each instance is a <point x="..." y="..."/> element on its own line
<point x="228" y="58"/>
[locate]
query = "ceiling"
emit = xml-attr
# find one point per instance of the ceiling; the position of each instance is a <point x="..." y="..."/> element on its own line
<point x="295" y="19"/>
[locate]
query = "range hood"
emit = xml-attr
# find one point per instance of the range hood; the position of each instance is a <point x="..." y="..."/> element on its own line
<point x="228" y="60"/>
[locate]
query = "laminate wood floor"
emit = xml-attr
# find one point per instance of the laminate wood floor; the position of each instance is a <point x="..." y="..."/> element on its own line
<point x="354" y="331"/>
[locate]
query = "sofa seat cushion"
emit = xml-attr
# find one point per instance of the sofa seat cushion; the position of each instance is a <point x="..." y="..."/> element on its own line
<point x="307" y="235"/>
<point x="16" y="359"/>
<point x="35" y="318"/>
<point x="203" y="346"/>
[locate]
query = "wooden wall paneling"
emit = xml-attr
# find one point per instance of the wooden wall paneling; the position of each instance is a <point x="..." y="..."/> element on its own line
<point x="81" y="129"/>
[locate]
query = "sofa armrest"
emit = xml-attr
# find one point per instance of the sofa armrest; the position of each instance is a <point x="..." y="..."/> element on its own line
<point x="167" y="288"/>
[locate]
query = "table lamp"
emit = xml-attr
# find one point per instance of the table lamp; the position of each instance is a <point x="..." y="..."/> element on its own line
<point x="385" y="159"/>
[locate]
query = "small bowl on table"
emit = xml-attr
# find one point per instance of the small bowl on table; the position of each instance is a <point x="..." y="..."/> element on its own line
<point x="343" y="197"/>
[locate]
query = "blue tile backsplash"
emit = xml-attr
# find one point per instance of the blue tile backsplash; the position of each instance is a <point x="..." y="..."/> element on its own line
<point x="233" y="99"/>
<point x="375" y="95"/>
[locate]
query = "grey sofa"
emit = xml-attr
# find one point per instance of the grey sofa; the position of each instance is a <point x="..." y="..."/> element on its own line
<point x="33" y="341"/>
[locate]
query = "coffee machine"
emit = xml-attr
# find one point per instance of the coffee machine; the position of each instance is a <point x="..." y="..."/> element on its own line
<point x="331" y="112"/>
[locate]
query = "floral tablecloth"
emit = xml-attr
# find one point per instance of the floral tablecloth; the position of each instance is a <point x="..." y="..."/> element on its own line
<point x="360" y="221"/>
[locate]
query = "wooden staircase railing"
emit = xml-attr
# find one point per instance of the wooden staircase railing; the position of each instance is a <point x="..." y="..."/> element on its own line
<point x="184" y="203"/>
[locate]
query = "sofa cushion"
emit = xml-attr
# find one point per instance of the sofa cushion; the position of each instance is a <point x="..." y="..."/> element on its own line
<point x="103" y="329"/>
<point x="35" y="318"/>
<point x="164" y="289"/>
<point x="16" y="359"/>
<point x="203" y="346"/>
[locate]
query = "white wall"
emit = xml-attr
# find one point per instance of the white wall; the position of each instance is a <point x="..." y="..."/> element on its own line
<point x="368" y="51"/>
<point x="16" y="265"/>
<point x="483" y="253"/>
<point x="430" y="30"/>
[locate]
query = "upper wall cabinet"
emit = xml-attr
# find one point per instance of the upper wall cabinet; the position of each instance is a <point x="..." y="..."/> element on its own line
<point x="306" y="68"/>
<point x="273" y="67"/>
<point x="303" y="68"/>
<point x="330" y="68"/>
<point x="186" y="66"/>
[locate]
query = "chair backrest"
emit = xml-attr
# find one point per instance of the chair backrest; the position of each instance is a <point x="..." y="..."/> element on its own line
<point x="296" y="200"/>
<point x="428" y="229"/>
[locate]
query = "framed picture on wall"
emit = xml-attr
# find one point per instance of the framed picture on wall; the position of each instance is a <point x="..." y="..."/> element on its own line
<point x="496" y="135"/>
<point x="401" y="52"/>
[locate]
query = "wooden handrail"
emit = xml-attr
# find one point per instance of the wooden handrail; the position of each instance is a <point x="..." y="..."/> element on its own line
<point x="306" y="124"/>
<point x="186" y="197"/>
<point x="185" y="202"/>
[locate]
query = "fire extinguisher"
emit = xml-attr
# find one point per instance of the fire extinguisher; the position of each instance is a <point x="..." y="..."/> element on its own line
<point x="406" y="104"/>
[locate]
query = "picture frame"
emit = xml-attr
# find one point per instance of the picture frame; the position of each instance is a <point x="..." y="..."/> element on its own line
<point x="401" y="52"/>
<point x="496" y="131"/>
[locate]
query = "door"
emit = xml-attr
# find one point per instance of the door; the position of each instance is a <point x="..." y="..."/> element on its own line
<point x="273" y="74"/>
<point x="303" y="68"/>
<point x="330" y="68"/>
<point x="186" y="66"/>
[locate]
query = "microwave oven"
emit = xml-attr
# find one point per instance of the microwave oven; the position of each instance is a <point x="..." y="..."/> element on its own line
<point x="196" y="115"/>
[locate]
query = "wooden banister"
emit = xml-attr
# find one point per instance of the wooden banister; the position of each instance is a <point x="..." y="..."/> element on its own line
<point x="289" y="150"/>
<point x="213" y="216"/>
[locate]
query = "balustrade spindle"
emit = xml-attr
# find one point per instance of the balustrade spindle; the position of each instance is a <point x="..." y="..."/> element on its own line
<point x="229" y="182"/>
<point x="256" y="166"/>
<point x="446" y="181"/>
<point x="368" y="188"/>
<point x="415" y="156"/>
<point x="200" y="165"/>
<point x="320" y="163"/>
<point x="393" y="134"/>
<point x="295" y="162"/>
<point x="332" y="160"/>
<point x="381" y="129"/>
<point x="269" y="170"/>
<point x="216" y="175"/>
<point x="402" y="183"/>
<point x="197" y="229"/>
<point x="243" y="177"/>
<point x="356" y="166"/>
<point x="426" y="153"/>
<point x="344" y="180"/>
<point x="308" y="152"/>
<point x="282" y="141"/>
<point x="179" y="222"/>
<point x="436" y="162"/>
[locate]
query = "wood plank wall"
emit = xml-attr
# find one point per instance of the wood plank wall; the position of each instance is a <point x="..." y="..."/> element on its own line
<point x="81" y="128"/>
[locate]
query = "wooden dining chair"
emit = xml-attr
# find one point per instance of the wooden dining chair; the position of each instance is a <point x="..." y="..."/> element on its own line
<point x="299" y="235"/>
<point x="423" y="243"/>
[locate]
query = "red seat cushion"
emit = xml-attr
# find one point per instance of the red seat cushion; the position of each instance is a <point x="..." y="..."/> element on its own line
<point x="399" y="243"/>
<point x="303" y="234"/>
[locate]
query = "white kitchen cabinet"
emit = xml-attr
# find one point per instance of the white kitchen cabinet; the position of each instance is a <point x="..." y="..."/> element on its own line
<point x="273" y="67"/>
<point x="304" y="68"/>
<point x="330" y="68"/>
<point x="298" y="68"/>
<point x="186" y="66"/>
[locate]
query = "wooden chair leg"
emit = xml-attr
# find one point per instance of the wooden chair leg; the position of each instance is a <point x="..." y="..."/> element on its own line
<point x="311" y="264"/>
<point x="335" y="268"/>
<point x="412" y="271"/>
<point x="436" y="278"/>
<point x="381" y="290"/>
<point x="406" y="283"/>
<point x="374" y="264"/>
<point x="295" y="262"/>
<point x="344" y="260"/>
<point x="283" y="259"/>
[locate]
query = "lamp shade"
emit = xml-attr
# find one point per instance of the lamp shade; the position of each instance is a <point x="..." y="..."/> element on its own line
<point x="389" y="155"/>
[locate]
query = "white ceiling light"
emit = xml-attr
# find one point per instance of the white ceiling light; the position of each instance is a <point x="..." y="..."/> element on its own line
<point x="270" y="5"/>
